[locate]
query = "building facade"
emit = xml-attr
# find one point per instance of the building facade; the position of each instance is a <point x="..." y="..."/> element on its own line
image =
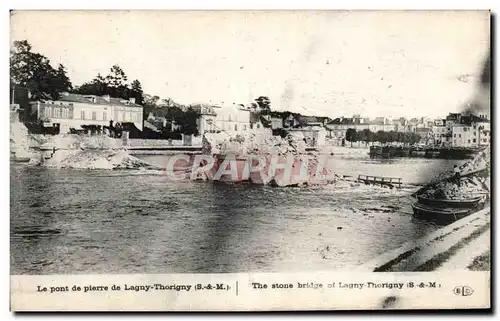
<point x="440" y="134"/>
<point x="459" y="130"/>
<point x="232" y="119"/>
<point x="74" y="111"/>
<point x="207" y="121"/>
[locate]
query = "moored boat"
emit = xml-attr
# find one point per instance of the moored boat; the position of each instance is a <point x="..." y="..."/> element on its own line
<point x="441" y="216"/>
<point x="452" y="203"/>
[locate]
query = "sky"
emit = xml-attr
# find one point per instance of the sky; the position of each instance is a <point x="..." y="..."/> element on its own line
<point x="323" y="63"/>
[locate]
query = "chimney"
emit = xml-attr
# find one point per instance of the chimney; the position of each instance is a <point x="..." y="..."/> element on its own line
<point x="131" y="100"/>
<point x="106" y="98"/>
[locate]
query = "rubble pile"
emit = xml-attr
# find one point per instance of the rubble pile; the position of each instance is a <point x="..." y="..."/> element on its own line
<point x="93" y="159"/>
<point x="19" y="139"/>
<point x="252" y="143"/>
<point x="71" y="141"/>
<point x="482" y="161"/>
<point x="268" y="146"/>
<point x="85" y="152"/>
<point x="469" y="188"/>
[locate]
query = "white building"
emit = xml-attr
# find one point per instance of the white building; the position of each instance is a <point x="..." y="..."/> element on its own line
<point x="439" y="132"/>
<point x="483" y="131"/>
<point x="207" y="121"/>
<point x="74" y="111"/>
<point x="471" y="131"/>
<point x="232" y="119"/>
<point x="462" y="136"/>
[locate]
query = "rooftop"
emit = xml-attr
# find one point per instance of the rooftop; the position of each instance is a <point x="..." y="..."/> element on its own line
<point x="96" y="100"/>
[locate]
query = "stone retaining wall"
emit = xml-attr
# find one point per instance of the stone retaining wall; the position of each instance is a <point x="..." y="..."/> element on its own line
<point x="415" y="253"/>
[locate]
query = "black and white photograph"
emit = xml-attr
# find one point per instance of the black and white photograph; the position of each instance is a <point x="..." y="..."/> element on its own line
<point x="215" y="142"/>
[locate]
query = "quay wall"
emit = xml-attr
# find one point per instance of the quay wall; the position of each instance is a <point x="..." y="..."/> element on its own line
<point x="414" y="254"/>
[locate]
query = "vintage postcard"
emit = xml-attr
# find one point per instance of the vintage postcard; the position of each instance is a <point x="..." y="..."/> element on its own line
<point x="249" y="160"/>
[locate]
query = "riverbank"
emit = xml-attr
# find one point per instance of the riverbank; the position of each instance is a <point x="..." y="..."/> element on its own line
<point x="345" y="151"/>
<point x="462" y="245"/>
<point x="481" y="262"/>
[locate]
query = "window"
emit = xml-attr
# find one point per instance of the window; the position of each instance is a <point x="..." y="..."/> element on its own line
<point x="244" y="127"/>
<point x="258" y="126"/>
<point x="104" y="116"/>
<point x="94" y="115"/>
<point x="235" y="127"/>
<point x="459" y="135"/>
<point x="474" y="140"/>
<point x="65" y="113"/>
<point x="48" y="112"/>
<point x="82" y="114"/>
<point x="455" y="135"/>
<point x="229" y="118"/>
<point x="475" y="133"/>
<point x="251" y="126"/>
<point x="468" y="141"/>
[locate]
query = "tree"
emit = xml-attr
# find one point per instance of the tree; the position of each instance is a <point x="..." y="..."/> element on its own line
<point x="367" y="136"/>
<point x="264" y="103"/>
<point x="381" y="137"/>
<point x="414" y="138"/>
<point x="151" y="101"/>
<point x="392" y="136"/>
<point x="117" y="77"/>
<point x="351" y="135"/>
<point x="136" y="91"/>
<point x="61" y="79"/>
<point x="114" y="84"/>
<point x="401" y="137"/>
<point x="188" y="121"/>
<point x="34" y="72"/>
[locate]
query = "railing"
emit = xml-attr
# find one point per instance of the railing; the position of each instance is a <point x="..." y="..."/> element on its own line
<point x="380" y="180"/>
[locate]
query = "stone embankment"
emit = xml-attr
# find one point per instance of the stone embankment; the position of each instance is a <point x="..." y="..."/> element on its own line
<point x="453" y="247"/>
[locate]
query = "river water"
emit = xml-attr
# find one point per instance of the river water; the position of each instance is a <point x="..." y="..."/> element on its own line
<point x="80" y="221"/>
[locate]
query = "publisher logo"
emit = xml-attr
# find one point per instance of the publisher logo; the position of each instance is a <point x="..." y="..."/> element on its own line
<point x="463" y="290"/>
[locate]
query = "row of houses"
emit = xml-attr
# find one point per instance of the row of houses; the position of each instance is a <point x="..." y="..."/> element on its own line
<point x="338" y="127"/>
<point x="461" y="130"/>
<point x="74" y="110"/>
<point x="456" y="130"/>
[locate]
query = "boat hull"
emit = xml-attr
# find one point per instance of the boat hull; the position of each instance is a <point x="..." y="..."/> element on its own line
<point x="441" y="216"/>
<point x="443" y="203"/>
